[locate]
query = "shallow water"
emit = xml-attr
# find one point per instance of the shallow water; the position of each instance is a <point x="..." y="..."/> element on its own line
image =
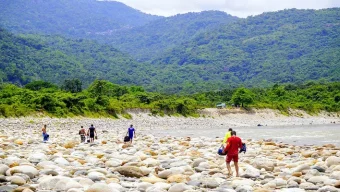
<point x="297" y="135"/>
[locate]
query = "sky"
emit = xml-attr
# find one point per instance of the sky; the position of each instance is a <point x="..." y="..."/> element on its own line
<point x="240" y="8"/>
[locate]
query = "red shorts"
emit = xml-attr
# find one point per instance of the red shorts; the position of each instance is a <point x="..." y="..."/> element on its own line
<point x="232" y="157"/>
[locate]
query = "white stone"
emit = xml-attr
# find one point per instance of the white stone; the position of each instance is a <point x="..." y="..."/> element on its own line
<point x="25" y="169"/>
<point x="179" y="187"/>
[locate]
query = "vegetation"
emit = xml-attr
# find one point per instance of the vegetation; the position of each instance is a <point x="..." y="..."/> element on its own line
<point x="71" y="18"/>
<point x="28" y="58"/>
<point x="103" y="98"/>
<point x="153" y="39"/>
<point x="289" y="46"/>
<point x="186" y="54"/>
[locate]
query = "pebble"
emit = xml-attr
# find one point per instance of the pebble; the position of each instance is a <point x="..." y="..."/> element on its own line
<point x="156" y="164"/>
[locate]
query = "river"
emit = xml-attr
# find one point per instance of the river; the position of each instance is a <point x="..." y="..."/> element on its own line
<point x="297" y="135"/>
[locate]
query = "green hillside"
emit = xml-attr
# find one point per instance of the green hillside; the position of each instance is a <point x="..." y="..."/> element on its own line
<point x="277" y="47"/>
<point x="55" y="59"/>
<point x="76" y="18"/>
<point x="150" y="40"/>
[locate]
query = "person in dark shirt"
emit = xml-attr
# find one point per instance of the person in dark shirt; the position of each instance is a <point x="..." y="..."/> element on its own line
<point x="233" y="145"/>
<point x="131" y="132"/>
<point x="91" y="133"/>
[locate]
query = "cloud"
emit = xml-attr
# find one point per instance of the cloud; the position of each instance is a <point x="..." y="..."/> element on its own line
<point x="240" y="8"/>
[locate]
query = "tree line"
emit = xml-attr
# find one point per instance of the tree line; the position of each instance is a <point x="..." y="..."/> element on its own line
<point x="105" y="99"/>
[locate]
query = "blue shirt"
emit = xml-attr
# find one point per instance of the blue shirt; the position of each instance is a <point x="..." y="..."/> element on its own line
<point x="131" y="130"/>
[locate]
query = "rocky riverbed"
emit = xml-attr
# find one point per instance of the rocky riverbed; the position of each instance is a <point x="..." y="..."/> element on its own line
<point x="152" y="164"/>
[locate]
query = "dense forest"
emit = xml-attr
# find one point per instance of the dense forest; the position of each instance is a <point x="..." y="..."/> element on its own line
<point x="32" y="57"/>
<point x="153" y="39"/>
<point x="285" y="46"/>
<point x="103" y="98"/>
<point x="188" y="53"/>
<point x="71" y="18"/>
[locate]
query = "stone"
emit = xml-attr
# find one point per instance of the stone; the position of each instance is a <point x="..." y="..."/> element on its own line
<point x="7" y="188"/>
<point x="301" y="168"/>
<point x="244" y="188"/>
<point x="37" y="158"/>
<point x="66" y="184"/>
<point x="70" y="144"/>
<point x="113" y="163"/>
<point x="179" y="187"/>
<point x="143" y="186"/>
<point x="152" y="180"/>
<point x="162" y="185"/>
<point x="25" y="169"/>
<point x="251" y="172"/>
<point x="3" y="169"/>
<point x="96" y="176"/>
<point x="292" y="190"/>
<point x="19" y="142"/>
<point x="49" y="172"/>
<point x="75" y="190"/>
<point x="115" y="186"/>
<point x="328" y="189"/>
<point x="307" y="154"/>
<point x="177" y="178"/>
<point x="197" y="162"/>
<point x="236" y="183"/>
<point x="210" y="183"/>
<point x="130" y="171"/>
<point x="335" y="175"/>
<point x="318" y="179"/>
<point x="150" y="162"/>
<point x="297" y="174"/>
<point x="61" y="161"/>
<point x="165" y="174"/>
<point x="27" y="190"/>
<point x="264" y="163"/>
<point x="50" y="182"/>
<point x="307" y="185"/>
<point x="16" y="180"/>
<point x="100" y="187"/>
<point x="320" y="169"/>
<point x="337" y="184"/>
<point x="332" y="160"/>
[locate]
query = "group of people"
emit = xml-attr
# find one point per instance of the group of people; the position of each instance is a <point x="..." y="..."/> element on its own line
<point x="91" y="133"/>
<point x="231" y="141"/>
<point x="232" y="146"/>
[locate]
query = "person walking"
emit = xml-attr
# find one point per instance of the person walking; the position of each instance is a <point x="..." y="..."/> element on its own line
<point x="234" y="143"/>
<point x="91" y="133"/>
<point x="44" y="133"/>
<point x="131" y="132"/>
<point x="82" y="134"/>
<point x="227" y="135"/>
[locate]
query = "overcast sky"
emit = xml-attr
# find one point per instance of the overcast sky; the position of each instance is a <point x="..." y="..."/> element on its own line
<point x="240" y="8"/>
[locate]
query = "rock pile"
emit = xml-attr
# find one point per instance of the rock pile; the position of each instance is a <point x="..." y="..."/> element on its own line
<point x="154" y="164"/>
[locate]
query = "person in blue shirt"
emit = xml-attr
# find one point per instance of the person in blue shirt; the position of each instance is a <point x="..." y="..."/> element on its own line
<point x="131" y="132"/>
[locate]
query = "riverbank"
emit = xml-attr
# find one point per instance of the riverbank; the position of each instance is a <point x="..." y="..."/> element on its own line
<point x="209" y="119"/>
<point x="159" y="164"/>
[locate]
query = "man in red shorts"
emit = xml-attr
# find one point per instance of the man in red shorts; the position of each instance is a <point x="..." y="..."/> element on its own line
<point x="234" y="143"/>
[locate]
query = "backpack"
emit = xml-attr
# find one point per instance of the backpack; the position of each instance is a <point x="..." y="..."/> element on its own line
<point x="243" y="148"/>
<point x="220" y="151"/>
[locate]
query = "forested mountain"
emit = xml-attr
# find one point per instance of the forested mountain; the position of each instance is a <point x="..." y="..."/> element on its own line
<point x="55" y="59"/>
<point x="75" y="18"/>
<point x="284" y="46"/>
<point x="185" y="53"/>
<point x="154" y="38"/>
